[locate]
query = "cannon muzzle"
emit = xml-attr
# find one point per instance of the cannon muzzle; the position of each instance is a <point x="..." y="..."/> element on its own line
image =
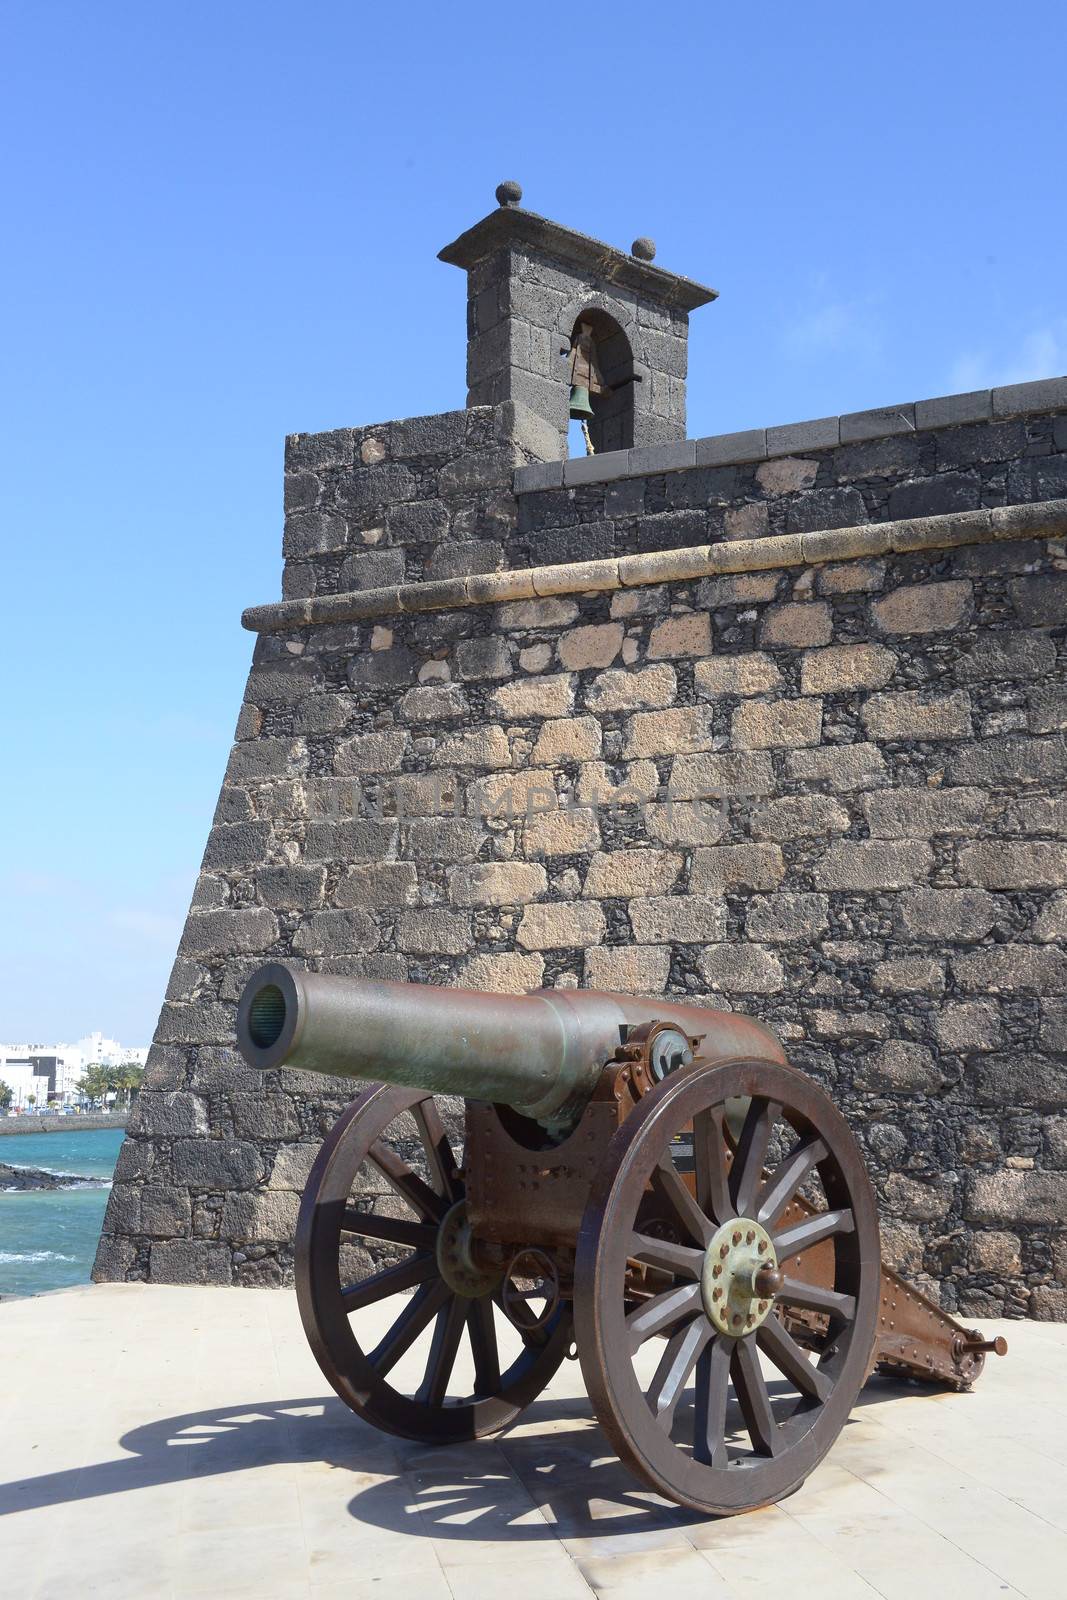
<point x="539" y="1053"/>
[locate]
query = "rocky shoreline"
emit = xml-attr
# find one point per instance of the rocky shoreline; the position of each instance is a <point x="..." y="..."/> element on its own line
<point x="34" y="1178"/>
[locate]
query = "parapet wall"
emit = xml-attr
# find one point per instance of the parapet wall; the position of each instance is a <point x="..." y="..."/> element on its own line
<point x="730" y="749"/>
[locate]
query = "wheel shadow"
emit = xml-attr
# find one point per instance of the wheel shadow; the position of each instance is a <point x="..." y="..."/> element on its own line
<point x="552" y="1475"/>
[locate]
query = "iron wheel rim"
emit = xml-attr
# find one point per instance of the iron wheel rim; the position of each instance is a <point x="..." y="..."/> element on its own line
<point x="724" y="1483"/>
<point x="360" y="1376"/>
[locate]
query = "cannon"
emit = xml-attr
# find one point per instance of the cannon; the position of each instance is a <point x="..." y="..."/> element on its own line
<point x="642" y="1184"/>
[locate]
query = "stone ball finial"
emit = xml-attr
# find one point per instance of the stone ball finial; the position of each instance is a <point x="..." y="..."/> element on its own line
<point x="644" y="249"/>
<point x="509" y="193"/>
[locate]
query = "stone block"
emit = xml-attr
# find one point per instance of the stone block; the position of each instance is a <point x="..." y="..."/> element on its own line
<point x="267" y="1216"/>
<point x="483" y="748"/>
<point x="1009" y="760"/>
<point x="1040" y="601"/>
<point x="266" y="758"/>
<point x="217" y="1164"/>
<point x="923" y="607"/>
<point x="669" y="732"/>
<point x="726" y="868"/>
<point x="1018" y="399"/>
<point x="533" y="699"/>
<point x="336" y="933"/>
<point x="683" y="919"/>
<point x="571" y="739"/>
<point x="629" y="873"/>
<point x="507" y="972"/>
<point x="292" y="1166"/>
<point x="171" y="1114"/>
<point x="686" y="634"/>
<point x="291" y="888"/>
<point x="1050" y="925"/>
<point x="912" y="714"/>
<point x="752" y="673"/>
<point x="876" y="864"/>
<point x="782" y="918"/>
<point x="844" y="668"/>
<point x="900" y="1067"/>
<point x="596" y="645"/>
<point x="996" y="1252"/>
<point x="1016" y="1197"/>
<point x="1036" y="968"/>
<point x="537" y="476"/>
<point x="350" y="839"/>
<point x="721" y="774"/>
<point x="965" y="1025"/>
<point x="228" y="932"/>
<point x="768" y="724"/>
<point x="723" y="448"/>
<point x="1048" y="710"/>
<point x="372" y="752"/>
<point x="947" y="410"/>
<point x="496" y="883"/>
<point x="998" y="653"/>
<point x="741" y="969"/>
<point x="751" y="521"/>
<point x="514" y="794"/>
<point x="786" y="475"/>
<point x="385" y="886"/>
<point x="919" y="813"/>
<point x="1010" y="864"/>
<point x="673" y="456"/>
<point x="189" y="1261"/>
<point x="631" y="689"/>
<point x="596" y="469"/>
<point x="628" y="969"/>
<point x="434" y="702"/>
<point x="801" y="816"/>
<point x="851" y="577"/>
<point x="263" y="1117"/>
<point x="166" y="1212"/>
<point x="478" y="659"/>
<point x="550" y="612"/>
<point x="686" y="822"/>
<point x="844" y="767"/>
<point x="917" y="1199"/>
<point x="909" y="975"/>
<point x="877" y="423"/>
<point x="793" y="437"/>
<point x="571" y="831"/>
<point x="959" y="916"/>
<point x="433" y="932"/>
<point x="561" y="925"/>
<point x="797" y="626"/>
<point x="742" y="589"/>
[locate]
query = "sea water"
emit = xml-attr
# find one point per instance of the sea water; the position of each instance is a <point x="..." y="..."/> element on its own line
<point x="48" y="1236"/>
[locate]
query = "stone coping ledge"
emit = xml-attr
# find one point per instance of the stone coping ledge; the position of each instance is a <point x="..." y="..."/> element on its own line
<point x="1047" y="519"/>
<point x="760" y="444"/>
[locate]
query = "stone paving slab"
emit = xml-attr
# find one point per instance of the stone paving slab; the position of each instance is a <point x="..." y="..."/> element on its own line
<point x="181" y="1444"/>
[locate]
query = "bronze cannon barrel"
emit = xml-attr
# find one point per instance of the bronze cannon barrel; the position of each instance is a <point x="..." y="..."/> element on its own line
<point x="540" y="1053"/>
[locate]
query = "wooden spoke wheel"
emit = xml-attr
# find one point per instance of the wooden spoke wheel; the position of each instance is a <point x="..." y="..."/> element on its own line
<point x="434" y="1287"/>
<point x="694" y="1236"/>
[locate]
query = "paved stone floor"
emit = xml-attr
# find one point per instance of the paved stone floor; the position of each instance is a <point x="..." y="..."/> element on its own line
<point x="180" y="1443"/>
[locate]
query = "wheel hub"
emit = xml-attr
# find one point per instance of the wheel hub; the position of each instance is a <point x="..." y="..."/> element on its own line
<point x="739" y="1277"/>
<point x="456" y="1258"/>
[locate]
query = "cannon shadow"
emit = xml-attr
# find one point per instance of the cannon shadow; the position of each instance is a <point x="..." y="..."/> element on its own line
<point x="552" y="1475"/>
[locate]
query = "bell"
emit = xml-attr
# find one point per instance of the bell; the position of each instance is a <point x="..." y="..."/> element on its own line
<point x="581" y="410"/>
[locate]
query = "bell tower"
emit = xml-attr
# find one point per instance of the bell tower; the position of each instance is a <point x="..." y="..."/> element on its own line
<point x="568" y="325"/>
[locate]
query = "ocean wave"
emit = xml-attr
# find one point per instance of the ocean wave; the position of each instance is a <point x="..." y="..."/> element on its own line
<point x="7" y="1256"/>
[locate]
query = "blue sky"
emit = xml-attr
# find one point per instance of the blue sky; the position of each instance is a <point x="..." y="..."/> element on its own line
<point x="222" y="221"/>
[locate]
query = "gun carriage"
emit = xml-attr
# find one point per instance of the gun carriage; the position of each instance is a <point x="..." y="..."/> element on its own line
<point x="643" y="1183"/>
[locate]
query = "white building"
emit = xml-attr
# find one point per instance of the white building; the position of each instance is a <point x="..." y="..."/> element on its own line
<point x="50" y="1072"/>
<point x="109" y="1053"/>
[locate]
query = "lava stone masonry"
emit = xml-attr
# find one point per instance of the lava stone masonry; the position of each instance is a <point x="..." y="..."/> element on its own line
<point x="832" y="795"/>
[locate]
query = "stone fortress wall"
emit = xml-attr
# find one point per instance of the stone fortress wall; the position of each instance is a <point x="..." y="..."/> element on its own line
<point x="775" y="721"/>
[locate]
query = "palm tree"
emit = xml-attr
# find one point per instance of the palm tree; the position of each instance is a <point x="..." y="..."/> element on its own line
<point x="6" y="1096"/>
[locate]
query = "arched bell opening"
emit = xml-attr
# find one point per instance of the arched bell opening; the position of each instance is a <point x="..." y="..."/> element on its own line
<point x="602" y="382"/>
